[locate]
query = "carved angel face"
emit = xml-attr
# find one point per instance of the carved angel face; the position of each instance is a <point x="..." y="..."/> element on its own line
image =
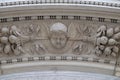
<point x="58" y="39"/>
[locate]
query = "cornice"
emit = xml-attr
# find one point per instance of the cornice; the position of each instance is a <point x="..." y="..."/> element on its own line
<point x="109" y="3"/>
<point x="58" y="9"/>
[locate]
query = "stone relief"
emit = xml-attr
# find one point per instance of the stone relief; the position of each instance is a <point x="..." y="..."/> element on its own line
<point x="58" y="35"/>
<point x="73" y="39"/>
<point x="37" y="48"/>
<point x="85" y="40"/>
<point x="11" y="41"/>
<point x="107" y="42"/>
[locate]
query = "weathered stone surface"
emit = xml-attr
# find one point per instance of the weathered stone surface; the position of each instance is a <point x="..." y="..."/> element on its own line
<point x="57" y="75"/>
<point x="59" y="38"/>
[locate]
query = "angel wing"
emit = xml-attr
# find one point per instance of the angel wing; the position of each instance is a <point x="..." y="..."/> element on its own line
<point x="44" y="31"/>
<point x="72" y="32"/>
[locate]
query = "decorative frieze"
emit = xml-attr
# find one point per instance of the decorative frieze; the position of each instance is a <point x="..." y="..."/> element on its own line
<point x="45" y="37"/>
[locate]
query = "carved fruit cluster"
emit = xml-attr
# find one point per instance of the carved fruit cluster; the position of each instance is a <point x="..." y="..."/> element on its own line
<point x="8" y="40"/>
<point x="107" y="41"/>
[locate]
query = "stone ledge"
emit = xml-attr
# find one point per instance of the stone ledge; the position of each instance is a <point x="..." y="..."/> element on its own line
<point x="58" y="58"/>
<point x="57" y="75"/>
<point x="56" y="66"/>
<point x="83" y="2"/>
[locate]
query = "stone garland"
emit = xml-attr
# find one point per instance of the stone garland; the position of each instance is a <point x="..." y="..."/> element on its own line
<point x="106" y="40"/>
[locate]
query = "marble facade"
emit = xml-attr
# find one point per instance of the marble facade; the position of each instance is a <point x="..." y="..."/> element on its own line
<point x="46" y="35"/>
